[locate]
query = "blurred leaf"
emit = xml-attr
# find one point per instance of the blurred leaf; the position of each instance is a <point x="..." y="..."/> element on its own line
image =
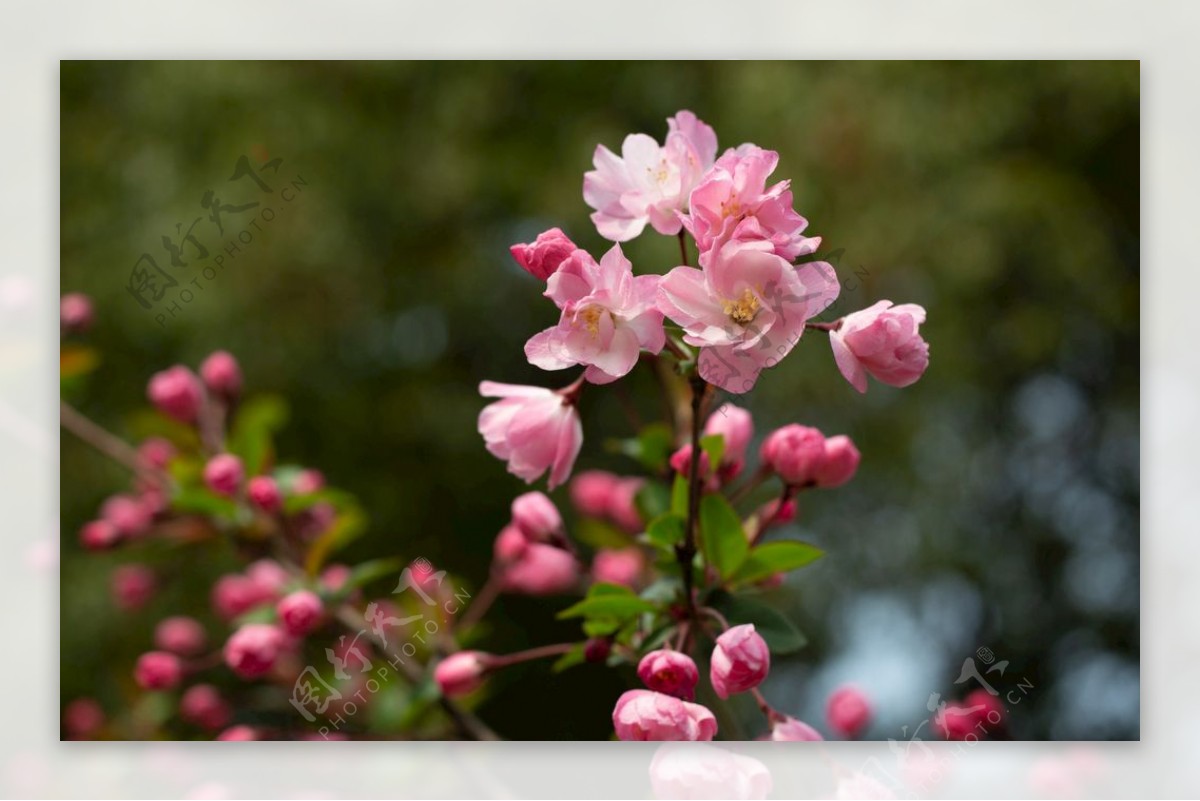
<point x="714" y="446"/>
<point x="203" y="501"/>
<point x="367" y="572"/>
<point x="722" y="539"/>
<point x="679" y="496"/>
<point x="144" y="423"/>
<point x="256" y="422"/>
<point x="608" y="601"/>
<point x="666" y="531"/>
<point x="781" y="634"/>
<point x="76" y="360"/>
<point x="569" y="660"/>
<point x="652" y="446"/>
<point x="264" y="613"/>
<point x="339" y="498"/>
<point x="601" y="626"/>
<point x="770" y="558"/>
<point x="652" y="500"/>
<point x="348" y="526"/>
<point x="601" y="534"/>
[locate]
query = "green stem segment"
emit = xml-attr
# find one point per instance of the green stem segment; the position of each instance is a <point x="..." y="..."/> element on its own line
<point x="686" y="551"/>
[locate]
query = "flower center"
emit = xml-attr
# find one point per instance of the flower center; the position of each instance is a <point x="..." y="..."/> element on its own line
<point x="661" y="174"/>
<point x="731" y="208"/>
<point x="742" y="310"/>
<point x="590" y="317"/>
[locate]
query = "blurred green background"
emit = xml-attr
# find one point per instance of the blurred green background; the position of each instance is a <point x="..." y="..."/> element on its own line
<point x="997" y="503"/>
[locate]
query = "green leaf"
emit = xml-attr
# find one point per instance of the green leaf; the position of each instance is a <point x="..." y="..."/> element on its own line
<point x="599" y="534"/>
<point x="257" y="421"/>
<point x="569" y="659"/>
<point x="652" y="500"/>
<point x="775" y="557"/>
<point x="601" y="626"/>
<point x="714" y="446"/>
<point x="608" y="601"/>
<point x="781" y="635"/>
<point x="679" y="496"/>
<point x="347" y="527"/>
<point x="666" y="531"/>
<point x="367" y="572"/>
<point x="298" y="503"/>
<point x="652" y="446"/>
<point x="724" y="541"/>
<point x="199" y="500"/>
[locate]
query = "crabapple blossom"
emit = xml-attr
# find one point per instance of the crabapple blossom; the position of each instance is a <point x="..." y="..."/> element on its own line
<point x="177" y="393"/>
<point x="158" y="670"/>
<point x="234" y="594"/>
<point x="536" y="516"/>
<point x="222" y="375"/>
<point x="533" y="429"/>
<point x="622" y="566"/>
<point x="608" y="317"/>
<point x="883" y="340"/>
<point x="733" y="202"/>
<point x="97" y="535"/>
<point x="299" y="612"/>
<point x="740" y="661"/>
<point x="334" y="577"/>
<point x="592" y="490"/>
<point x="75" y="313"/>
<point x="736" y="427"/>
<point x="180" y="635"/>
<point x="670" y="672"/>
<point x="795" y="452"/>
<point x="203" y="706"/>
<point x="253" y="649"/>
<point x="648" y="182"/>
<point x="264" y="493"/>
<point x="839" y="463"/>
<point x="541" y="570"/>
<point x="240" y="733"/>
<point x="647" y="715"/>
<point x="510" y="543"/>
<point x="82" y="718"/>
<point x="543" y="257"/>
<point x="223" y="474"/>
<point x="622" y="508"/>
<point x="746" y="309"/>
<point x="792" y="730"/>
<point x="269" y="578"/>
<point x="462" y="673"/>
<point x="848" y="711"/>
<point x="308" y="481"/>
<point x="133" y="586"/>
<point x="128" y="514"/>
<point x="156" y="452"/>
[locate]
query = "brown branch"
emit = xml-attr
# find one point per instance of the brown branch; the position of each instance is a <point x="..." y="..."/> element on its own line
<point x="108" y="444"/>
<point x="686" y="552"/>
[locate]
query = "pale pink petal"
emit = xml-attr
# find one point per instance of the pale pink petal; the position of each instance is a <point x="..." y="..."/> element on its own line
<point x="570" y="441"/>
<point x="545" y="350"/>
<point x="494" y="389"/>
<point x="851" y="368"/>
<point x="621" y="354"/>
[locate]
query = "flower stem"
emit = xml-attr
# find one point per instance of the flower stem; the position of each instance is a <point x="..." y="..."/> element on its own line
<point x="683" y="247"/>
<point x="487" y="596"/>
<point x="834" y="326"/>
<point x="108" y="444"/>
<point x="541" y="652"/>
<point x="686" y="552"/>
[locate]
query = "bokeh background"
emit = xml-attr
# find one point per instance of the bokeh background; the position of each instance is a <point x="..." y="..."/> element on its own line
<point x="997" y="503"/>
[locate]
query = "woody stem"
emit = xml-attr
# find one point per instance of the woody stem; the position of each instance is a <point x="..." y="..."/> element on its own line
<point x="686" y="551"/>
<point x="541" y="652"/>
<point x="834" y="326"/>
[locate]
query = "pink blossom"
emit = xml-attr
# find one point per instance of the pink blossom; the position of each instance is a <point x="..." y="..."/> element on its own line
<point x="308" y="481"/>
<point x="133" y="586"/>
<point x="264" y="493"/>
<point x="608" y="317"/>
<point x="622" y="508"/>
<point x="128" y="514"/>
<point x="733" y="202"/>
<point x="839" y="463"/>
<point x="622" y="566"/>
<point x="158" y="670"/>
<point x="98" y="535"/>
<point x="647" y="715"/>
<point x="670" y="672"/>
<point x="269" y="578"/>
<point x="239" y="733"/>
<point x="222" y="375"/>
<point x="746" y="309"/>
<point x="334" y="577"/>
<point x="775" y="512"/>
<point x="740" y="661"/>
<point x="177" y="393"/>
<point x="792" y="730"/>
<point x="543" y="257"/>
<point x="681" y="462"/>
<point x="536" y="516"/>
<point x="591" y="492"/>
<point x="736" y="427"/>
<point x="883" y="340"/>
<point x="233" y="595"/>
<point x="180" y="635"/>
<point x="541" y="570"/>
<point x="223" y="474"/>
<point x="462" y="672"/>
<point x="649" y="183"/>
<point x="299" y="612"/>
<point x="75" y="313"/>
<point x="252" y="650"/>
<point x="156" y="452"/>
<point x="533" y="429"/>
<point x="82" y="718"/>
<point x="203" y="706"/>
<point x="848" y="711"/>
<point x="795" y="452"/>
<point x="510" y="543"/>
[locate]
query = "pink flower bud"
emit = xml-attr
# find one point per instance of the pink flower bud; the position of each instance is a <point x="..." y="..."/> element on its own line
<point x="536" y="516"/>
<point x="883" y="341"/>
<point x="300" y="612"/>
<point x="795" y="452"/>
<point x="954" y="721"/>
<point x="180" y="635"/>
<point x="988" y="709"/>
<point x="645" y="715"/>
<point x="203" y="706"/>
<point x="308" y="482"/>
<point x="132" y="586"/>
<point x="775" y="513"/>
<point x="840" y="462"/>
<point x="334" y="577"/>
<point x="269" y="577"/>
<point x="158" y="670"/>
<point x="130" y="515"/>
<point x="223" y="474"/>
<point x="681" y="462"/>
<point x="98" y="535"/>
<point x="543" y="257"/>
<point x="740" y="661"/>
<point x="622" y="506"/>
<point x="591" y="492"/>
<point x="156" y="452"/>
<point x="177" y="393"/>
<point x="541" y="570"/>
<point x="792" y="730"/>
<point x="82" y="718"/>
<point x="848" y="711"/>
<point x="510" y="544"/>
<point x="669" y="672"/>
<point x="462" y="672"/>
<point x="222" y="375"/>
<point x="234" y="595"/>
<point x="75" y="313"/>
<point x="238" y="734"/>
<point x="263" y="492"/>
<point x="596" y="649"/>
<point x="736" y="426"/>
<point x="618" y="566"/>
<point x="252" y="650"/>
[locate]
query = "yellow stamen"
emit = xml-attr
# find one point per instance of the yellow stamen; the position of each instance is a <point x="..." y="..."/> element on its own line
<point x="743" y="310"/>
<point x="591" y="318"/>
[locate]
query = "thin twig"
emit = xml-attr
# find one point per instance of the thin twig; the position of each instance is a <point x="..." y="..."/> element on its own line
<point x="683" y="247"/>
<point x="541" y="652"/>
<point x="487" y="596"/>
<point x="108" y="444"/>
<point x="686" y="552"/>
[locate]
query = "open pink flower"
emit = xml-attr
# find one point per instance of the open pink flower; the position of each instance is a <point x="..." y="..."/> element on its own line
<point x="746" y="308"/>
<point x="648" y="182"/>
<point x="608" y="316"/>
<point x="884" y="341"/>
<point x="733" y="202"/>
<point x="646" y="715"/>
<point x="533" y="429"/>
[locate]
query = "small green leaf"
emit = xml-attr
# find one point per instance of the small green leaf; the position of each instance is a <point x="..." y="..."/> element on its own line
<point x="569" y="659"/>
<point x="601" y="626"/>
<point x="775" y="557"/>
<point x="298" y="503"/>
<point x="367" y="572"/>
<point x="679" y="496"/>
<point x="781" y="635"/>
<point x="724" y="541"/>
<point x="666" y="531"/>
<point x="652" y="500"/>
<point x="199" y="500"/>
<point x="347" y="527"/>
<point x="257" y="421"/>
<point x="714" y="446"/>
<point x="652" y="446"/>
<point x="600" y="534"/>
<point x="608" y="601"/>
